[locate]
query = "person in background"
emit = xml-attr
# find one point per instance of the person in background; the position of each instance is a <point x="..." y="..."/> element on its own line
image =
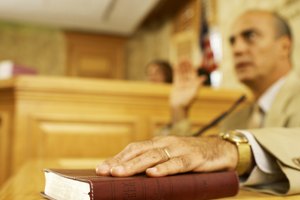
<point x="260" y="142"/>
<point x="159" y="71"/>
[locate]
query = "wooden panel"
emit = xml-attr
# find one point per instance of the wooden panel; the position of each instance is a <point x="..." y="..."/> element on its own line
<point x="82" y="135"/>
<point x="3" y="148"/>
<point x="5" y="142"/>
<point x="188" y="17"/>
<point x="187" y="29"/>
<point x="185" y="37"/>
<point x="94" y="55"/>
<point x="95" y="66"/>
<point x="185" y="44"/>
<point x="6" y="130"/>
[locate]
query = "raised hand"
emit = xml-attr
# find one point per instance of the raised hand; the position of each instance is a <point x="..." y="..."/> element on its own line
<point x="184" y="89"/>
<point x="168" y="155"/>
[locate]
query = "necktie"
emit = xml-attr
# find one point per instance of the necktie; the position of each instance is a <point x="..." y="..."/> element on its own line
<point x="257" y="117"/>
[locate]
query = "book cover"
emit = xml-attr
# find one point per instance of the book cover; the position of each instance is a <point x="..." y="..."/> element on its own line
<point x="85" y="184"/>
<point x="9" y="69"/>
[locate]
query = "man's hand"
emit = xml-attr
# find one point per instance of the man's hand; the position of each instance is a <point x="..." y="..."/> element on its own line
<point x="184" y="89"/>
<point x="168" y="155"/>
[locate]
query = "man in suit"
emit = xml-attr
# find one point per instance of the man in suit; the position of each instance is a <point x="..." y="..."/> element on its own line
<point x="260" y="141"/>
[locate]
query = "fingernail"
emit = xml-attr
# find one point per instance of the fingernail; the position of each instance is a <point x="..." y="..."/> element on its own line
<point x="152" y="170"/>
<point x="102" y="169"/>
<point x="117" y="170"/>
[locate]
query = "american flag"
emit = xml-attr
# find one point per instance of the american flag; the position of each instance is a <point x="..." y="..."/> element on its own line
<point x="208" y="62"/>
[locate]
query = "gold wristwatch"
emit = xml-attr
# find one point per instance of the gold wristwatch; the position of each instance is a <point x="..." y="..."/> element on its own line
<point x="245" y="159"/>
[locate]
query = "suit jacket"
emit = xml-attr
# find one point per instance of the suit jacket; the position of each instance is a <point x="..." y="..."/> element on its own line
<point x="280" y="135"/>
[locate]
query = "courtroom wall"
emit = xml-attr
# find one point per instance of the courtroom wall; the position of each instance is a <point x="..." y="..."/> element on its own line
<point x="45" y="49"/>
<point x="38" y="47"/>
<point x="148" y="43"/>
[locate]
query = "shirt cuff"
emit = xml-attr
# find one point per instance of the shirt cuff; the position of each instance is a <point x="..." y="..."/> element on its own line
<point x="264" y="160"/>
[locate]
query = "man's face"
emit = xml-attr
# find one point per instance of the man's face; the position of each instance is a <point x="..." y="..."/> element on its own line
<point x="254" y="46"/>
<point x="155" y="74"/>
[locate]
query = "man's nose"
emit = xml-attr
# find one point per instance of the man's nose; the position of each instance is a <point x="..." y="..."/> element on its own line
<point x="239" y="47"/>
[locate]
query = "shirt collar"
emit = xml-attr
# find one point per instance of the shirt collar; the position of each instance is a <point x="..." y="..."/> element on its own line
<point x="266" y="100"/>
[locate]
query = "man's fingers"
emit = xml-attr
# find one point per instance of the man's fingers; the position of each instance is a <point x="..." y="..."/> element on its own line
<point x="141" y="163"/>
<point x="182" y="70"/>
<point x="170" y="155"/>
<point x="132" y="150"/>
<point x="173" y="166"/>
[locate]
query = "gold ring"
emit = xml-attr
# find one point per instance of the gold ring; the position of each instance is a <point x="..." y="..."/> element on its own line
<point x="167" y="153"/>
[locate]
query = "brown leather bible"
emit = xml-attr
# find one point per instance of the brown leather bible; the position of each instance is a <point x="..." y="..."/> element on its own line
<point x="85" y="184"/>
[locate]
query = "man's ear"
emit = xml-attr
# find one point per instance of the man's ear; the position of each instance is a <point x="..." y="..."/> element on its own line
<point x="285" y="46"/>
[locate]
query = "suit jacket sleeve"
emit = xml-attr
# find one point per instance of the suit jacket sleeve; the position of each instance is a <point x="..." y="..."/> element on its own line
<point x="283" y="144"/>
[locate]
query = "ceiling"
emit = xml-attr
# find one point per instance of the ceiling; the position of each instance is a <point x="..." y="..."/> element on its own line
<point x="110" y="16"/>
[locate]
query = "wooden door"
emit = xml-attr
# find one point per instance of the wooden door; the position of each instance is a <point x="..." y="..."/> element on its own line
<point x="95" y="55"/>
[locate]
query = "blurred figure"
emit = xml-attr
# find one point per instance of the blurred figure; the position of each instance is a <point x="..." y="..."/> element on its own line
<point x="159" y="71"/>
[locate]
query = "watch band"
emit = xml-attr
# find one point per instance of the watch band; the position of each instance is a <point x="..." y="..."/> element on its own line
<point x="245" y="159"/>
